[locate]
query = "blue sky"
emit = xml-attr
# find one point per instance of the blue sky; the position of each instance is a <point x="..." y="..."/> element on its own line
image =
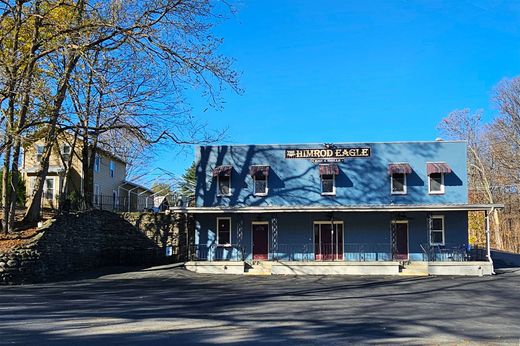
<point x="343" y="71"/>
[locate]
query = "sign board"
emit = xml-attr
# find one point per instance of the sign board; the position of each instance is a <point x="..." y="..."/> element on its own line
<point x="327" y="154"/>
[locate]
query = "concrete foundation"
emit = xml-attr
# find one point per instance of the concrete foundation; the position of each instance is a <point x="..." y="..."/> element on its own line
<point x="217" y="267"/>
<point x="335" y="268"/>
<point x="460" y="268"/>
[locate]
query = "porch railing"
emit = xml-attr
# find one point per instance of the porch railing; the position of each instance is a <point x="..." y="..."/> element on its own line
<point x="231" y="252"/>
<point x="333" y="252"/>
<point x="453" y="252"/>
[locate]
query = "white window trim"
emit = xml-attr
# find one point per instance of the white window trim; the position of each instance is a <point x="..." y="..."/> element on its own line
<point x="441" y="192"/>
<point x="438" y="230"/>
<point x="405" y="191"/>
<point x="45" y="187"/>
<point x="218" y="187"/>
<point x="333" y="193"/>
<point x="266" y="186"/>
<point x="230" y="232"/>
<point x="97" y="163"/>
<point x="112" y="169"/>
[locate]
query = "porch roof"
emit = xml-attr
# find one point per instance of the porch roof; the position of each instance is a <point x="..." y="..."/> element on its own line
<point x="339" y="208"/>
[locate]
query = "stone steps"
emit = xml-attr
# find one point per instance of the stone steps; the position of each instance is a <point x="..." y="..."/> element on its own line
<point x="258" y="268"/>
<point x="414" y="269"/>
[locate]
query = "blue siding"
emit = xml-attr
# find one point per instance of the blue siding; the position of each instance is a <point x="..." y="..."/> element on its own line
<point x="361" y="180"/>
<point x="362" y="231"/>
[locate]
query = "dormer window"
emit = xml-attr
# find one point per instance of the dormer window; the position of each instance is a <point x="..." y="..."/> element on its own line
<point x="328" y="174"/>
<point x="223" y="175"/>
<point x="260" y="176"/>
<point x="436" y="172"/>
<point x="398" y="172"/>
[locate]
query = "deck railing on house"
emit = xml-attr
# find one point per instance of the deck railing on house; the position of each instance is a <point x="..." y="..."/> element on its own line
<point x="333" y="252"/>
<point x="453" y="252"/>
<point x="214" y="252"/>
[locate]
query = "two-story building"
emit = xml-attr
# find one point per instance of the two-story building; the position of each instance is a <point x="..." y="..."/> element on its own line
<point x="349" y="208"/>
<point x="111" y="190"/>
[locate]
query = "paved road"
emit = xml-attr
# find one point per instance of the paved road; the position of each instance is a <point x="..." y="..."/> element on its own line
<point x="165" y="305"/>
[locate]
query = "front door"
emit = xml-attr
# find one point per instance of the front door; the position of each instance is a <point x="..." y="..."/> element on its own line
<point x="328" y="241"/>
<point x="401" y="240"/>
<point x="260" y="241"/>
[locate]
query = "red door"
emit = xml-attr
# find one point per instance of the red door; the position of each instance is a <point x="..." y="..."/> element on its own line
<point x="401" y="240"/>
<point x="328" y="242"/>
<point x="260" y="241"/>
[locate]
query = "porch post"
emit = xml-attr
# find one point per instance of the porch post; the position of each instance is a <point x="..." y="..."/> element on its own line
<point x="488" y="239"/>
<point x="274" y="237"/>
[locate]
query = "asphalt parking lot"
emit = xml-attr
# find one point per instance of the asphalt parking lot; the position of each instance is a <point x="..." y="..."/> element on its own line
<point x="165" y="305"/>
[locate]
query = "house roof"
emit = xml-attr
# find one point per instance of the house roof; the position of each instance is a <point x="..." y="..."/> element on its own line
<point x="342" y="208"/>
<point x="134" y="185"/>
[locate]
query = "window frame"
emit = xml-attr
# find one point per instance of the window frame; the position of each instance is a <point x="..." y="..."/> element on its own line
<point x="441" y="191"/>
<point x="405" y="186"/>
<point x="266" y="185"/>
<point x="112" y="169"/>
<point x="333" y="192"/>
<point x="217" y="231"/>
<point x="97" y="163"/>
<point x="218" y="185"/>
<point x="38" y="154"/>
<point x="443" y="230"/>
<point x="46" y="188"/>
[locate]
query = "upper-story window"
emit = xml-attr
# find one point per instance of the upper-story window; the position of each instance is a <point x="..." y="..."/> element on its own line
<point x="223" y="175"/>
<point x="112" y="168"/>
<point x="437" y="230"/>
<point x="398" y="172"/>
<point x="65" y="152"/>
<point x="436" y="172"/>
<point x="328" y="174"/>
<point x="260" y="177"/>
<point x="39" y="152"/>
<point x="97" y="163"/>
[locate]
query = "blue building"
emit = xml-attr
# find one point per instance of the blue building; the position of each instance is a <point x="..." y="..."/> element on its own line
<point x="358" y="208"/>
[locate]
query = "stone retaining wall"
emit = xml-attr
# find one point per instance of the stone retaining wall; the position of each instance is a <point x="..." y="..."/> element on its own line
<point x="80" y="241"/>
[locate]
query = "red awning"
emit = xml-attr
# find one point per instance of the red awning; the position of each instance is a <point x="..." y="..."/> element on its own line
<point x="329" y="169"/>
<point x="437" y="167"/>
<point x="258" y="169"/>
<point x="222" y="170"/>
<point x="399" y="168"/>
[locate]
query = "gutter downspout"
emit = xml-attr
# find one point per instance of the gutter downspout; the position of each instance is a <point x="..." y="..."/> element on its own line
<point x="488" y="240"/>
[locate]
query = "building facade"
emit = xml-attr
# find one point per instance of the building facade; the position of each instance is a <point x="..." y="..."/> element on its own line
<point x="346" y="203"/>
<point x="111" y="190"/>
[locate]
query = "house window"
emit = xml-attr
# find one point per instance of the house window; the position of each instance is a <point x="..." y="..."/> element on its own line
<point x="39" y="152"/>
<point x="224" y="185"/>
<point x="49" y="188"/>
<point x="65" y="152"/>
<point x="436" y="183"/>
<point x="437" y="230"/>
<point x="114" y="199"/>
<point x="260" y="184"/>
<point x="97" y="163"/>
<point x="97" y="193"/>
<point x="328" y="240"/>
<point x="223" y="231"/>
<point x="328" y="184"/>
<point x="398" y="183"/>
<point x="112" y="168"/>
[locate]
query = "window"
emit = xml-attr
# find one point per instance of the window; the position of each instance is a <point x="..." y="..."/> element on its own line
<point x="112" y="168"/>
<point x="97" y="192"/>
<point x="224" y="185"/>
<point x="114" y="199"/>
<point x="39" y="152"/>
<point x="328" y="184"/>
<point x="49" y="188"/>
<point x="223" y="231"/>
<point x="437" y="230"/>
<point x="398" y="183"/>
<point x="436" y="183"/>
<point x="65" y="152"/>
<point x="260" y="184"/>
<point x="97" y="163"/>
<point x="328" y="240"/>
